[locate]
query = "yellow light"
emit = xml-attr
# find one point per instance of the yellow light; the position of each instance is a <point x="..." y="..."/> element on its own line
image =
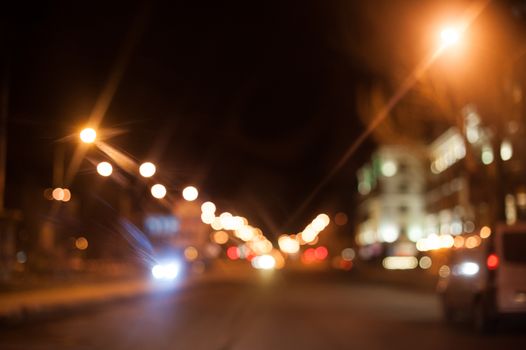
<point x="147" y="169"/>
<point x="288" y="245"/>
<point x="67" y="195"/>
<point x="158" y="191"/>
<point x="81" y="243"/>
<point x="208" y="207"/>
<point x="485" y="232"/>
<point x="58" y="194"/>
<point x="473" y="242"/>
<point x="459" y="242"/>
<point x="449" y="36"/>
<point x="104" y="169"/>
<point x="400" y="262"/>
<point x="226" y="220"/>
<point x="220" y="237"/>
<point x="216" y="223"/>
<point x="190" y="193"/>
<point x="88" y="135"/>
<point x="207" y="218"/>
<point x="246" y="233"/>
<point x="190" y="253"/>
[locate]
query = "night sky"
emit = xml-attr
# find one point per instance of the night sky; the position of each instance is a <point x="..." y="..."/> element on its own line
<point x="252" y="103"/>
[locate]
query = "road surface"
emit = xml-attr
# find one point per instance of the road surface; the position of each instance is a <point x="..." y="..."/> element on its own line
<point x="270" y="311"/>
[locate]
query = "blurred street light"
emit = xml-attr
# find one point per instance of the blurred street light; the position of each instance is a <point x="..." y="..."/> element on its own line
<point x="208" y="207"/>
<point x="66" y="195"/>
<point x="104" y="169"/>
<point x="58" y="194"/>
<point x="158" y="191"/>
<point x="147" y="169"/>
<point x="190" y="193"/>
<point x="449" y="36"/>
<point x="88" y="135"/>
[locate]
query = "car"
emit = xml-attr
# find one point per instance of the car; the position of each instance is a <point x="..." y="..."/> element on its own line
<point x="486" y="280"/>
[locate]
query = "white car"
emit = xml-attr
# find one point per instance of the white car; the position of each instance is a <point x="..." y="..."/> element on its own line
<point x="487" y="282"/>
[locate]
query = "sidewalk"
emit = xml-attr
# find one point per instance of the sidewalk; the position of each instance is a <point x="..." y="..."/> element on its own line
<point x="18" y="306"/>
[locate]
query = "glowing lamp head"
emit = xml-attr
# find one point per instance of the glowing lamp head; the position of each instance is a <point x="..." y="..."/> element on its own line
<point x="190" y="193"/>
<point x="158" y="191"/>
<point x="88" y="135"/>
<point x="449" y="36"/>
<point x="104" y="169"/>
<point x="147" y="169"/>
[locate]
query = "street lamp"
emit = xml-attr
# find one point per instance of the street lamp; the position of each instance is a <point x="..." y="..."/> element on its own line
<point x="147" y="169"/>
<point x="190" y="193"/>
<point x="449" y="36"/>
<point x="88" y="135"/>
<point x="104" y="169"/>
<point x="158" y="191"/>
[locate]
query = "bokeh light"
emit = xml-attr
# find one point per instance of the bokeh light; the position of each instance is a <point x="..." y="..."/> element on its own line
<point x="220" y="237"/>
<point x="449" y="36"/>
<point x="58" y="194"/>
<point x="190" y="193"/>
<point x="88" y="135"/>
<point x="158" y="191"/>
<point x="104" y="169"/>
<point x="208" y="207"/>
<point x="191" y="253"/>
<point x="81" y="243"/>
<point x="147" y="169"/>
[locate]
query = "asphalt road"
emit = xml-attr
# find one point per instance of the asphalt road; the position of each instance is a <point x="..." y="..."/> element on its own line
<point x="271" y="311"/>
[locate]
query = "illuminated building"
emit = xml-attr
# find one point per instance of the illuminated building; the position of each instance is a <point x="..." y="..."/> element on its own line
<point x="392" y="205"/>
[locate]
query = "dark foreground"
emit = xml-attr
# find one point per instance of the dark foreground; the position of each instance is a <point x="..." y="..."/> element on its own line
<point x="268" y="312"/>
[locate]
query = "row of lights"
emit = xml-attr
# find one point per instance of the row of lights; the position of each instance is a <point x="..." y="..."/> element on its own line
<point x="290" y="244"/>
<point x="256" y="247"/>
<point x="434" y="242"/>
<point x="146" y="170"/>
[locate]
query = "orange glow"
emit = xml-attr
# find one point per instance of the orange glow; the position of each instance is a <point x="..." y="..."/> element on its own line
<point x="67" y="195"/>
<point x="58" y="194"/>
<point x="459" y="242"/>
<point x="485" y="232"/>
<point x="81" y="243"/>
<point x="220" y="237"/>
<point x="88" y="135"/>
<point x="449" y="36"/>
<point x="473" y="242"/>
<point x="190" y="253"/>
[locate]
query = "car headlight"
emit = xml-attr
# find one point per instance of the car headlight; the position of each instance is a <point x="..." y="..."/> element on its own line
<point x="166" y="271"/>
<point x="466" y="269"/>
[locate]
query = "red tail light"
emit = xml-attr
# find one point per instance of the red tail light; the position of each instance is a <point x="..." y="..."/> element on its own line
<point x="492" y="262"/>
